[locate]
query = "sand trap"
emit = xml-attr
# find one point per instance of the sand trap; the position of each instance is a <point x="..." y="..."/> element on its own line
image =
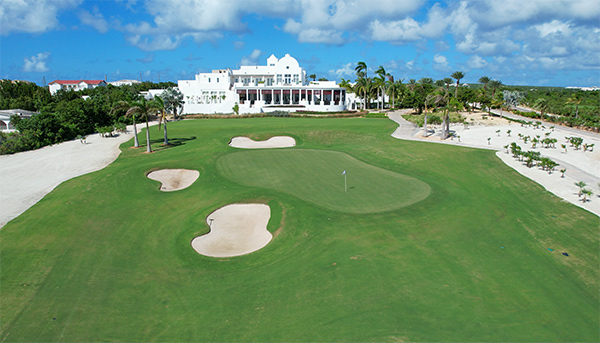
<point x="174" y="179"/>
<point x="273" y="142"/>
<point x="235" y="230"/>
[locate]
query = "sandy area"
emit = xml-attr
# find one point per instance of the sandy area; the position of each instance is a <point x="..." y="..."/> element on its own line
<point x="235" y="230"/>
<point x="273" y="142"/>
<point x="174" y="179"/>
<point x="28" y="176"/>
<point x="580" y="165"/>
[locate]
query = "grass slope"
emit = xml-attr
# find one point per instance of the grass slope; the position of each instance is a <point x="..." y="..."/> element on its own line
<point x="107" y="256"/>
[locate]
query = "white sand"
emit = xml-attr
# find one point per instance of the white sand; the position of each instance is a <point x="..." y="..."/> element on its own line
<point x="28" y="176"/>
<point x="581" y="166"/>
<point x="273" y="142"/>
<point x="235" y="230"/>
<point x="174" y="179"/>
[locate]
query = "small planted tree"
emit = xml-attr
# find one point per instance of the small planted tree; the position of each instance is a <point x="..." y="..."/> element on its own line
<point x="580" y="184"/>
<point x="508" y="133"/>
<point x="562" y="172"/>
<point x="586" y="193"/>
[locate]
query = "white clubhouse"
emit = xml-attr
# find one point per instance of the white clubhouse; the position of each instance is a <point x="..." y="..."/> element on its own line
<point x="280" y="85"/>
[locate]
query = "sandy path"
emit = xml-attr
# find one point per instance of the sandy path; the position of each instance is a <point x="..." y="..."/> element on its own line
<point x="273" y="142"/>
<point x="235" y="230"/>
<point x="28" y="176"/>
<point x="581" y="166"/>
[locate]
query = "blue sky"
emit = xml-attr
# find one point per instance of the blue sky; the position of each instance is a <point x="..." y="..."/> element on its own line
<point x="531" y="42"/>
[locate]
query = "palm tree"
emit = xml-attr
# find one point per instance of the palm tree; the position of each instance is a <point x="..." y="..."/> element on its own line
<point x="362" y="72"/>
<point x="495" y="85"/>
<point x="313" y="76"/>
<point x="144" y="108"/>
<point x="457" y="75"/>
<point x="575" y="99"/>
<point x="363" y="85"/>
<point x="162" y="112"/>
<point x="485" y="80"/>
<point x="542" y="105"/>
<point x="394" y="87"/>
<point x="580" y="184"/>
<point x="128" y="107"/>
<point x="381" y="82"/>
<point x="586" y="193"/>
<point x="173" y="100"/>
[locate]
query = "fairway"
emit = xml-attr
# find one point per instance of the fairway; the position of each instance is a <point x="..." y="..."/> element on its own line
<point x="316" y="176"/>
<point x="429" y="243"/>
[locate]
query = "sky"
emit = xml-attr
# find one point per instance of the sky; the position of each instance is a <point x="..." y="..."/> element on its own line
<point x="520" y="42"/>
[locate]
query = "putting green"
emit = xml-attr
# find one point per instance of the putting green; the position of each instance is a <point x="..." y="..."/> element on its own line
<point x="316" y="176"/>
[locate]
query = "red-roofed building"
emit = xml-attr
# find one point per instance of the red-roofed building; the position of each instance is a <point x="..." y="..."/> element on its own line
<point x="75" y="85"/>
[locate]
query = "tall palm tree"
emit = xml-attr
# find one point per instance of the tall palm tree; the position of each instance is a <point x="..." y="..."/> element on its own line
<point x="145" y="109"/>
<point x="457" y="75"/>
<point x="128" y="106"/>
<point x="382" y="75"/>
<point x="495" y="85"/>
<point x="394" y="88"/>
<point x="363" y="85"/>
<point x="173" y="100"/>
<point x="485" y="80"/>
<point x="162" y="116"/>
<point x="362" y="72"/>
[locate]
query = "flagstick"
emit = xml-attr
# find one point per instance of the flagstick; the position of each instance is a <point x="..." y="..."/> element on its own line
<point x="345" y="187"/>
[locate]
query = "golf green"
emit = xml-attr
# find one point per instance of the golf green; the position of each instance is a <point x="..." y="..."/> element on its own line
<point x="331" y="179"/>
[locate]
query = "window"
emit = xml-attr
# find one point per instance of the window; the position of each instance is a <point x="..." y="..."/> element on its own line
<point x="269" y="82"/>
<point x="288" y="78"/>
<point x="209" y="79"/>
<point x="279" y="78"/>
<point x="296" y="78"/>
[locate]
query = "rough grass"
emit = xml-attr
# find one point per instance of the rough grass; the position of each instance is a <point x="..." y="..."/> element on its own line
<point x="107" y="256"/>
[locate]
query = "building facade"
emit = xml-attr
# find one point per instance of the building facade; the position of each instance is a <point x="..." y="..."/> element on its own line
<point x="279" y="85"/>
<point x="75" y="85"/>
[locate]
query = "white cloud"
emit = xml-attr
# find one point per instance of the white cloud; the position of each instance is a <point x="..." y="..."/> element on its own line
<point x="37" y="63"/>
<point x="402" y="30"/>
<point x="32" y="16"/>
<point x="95" y="20"/>
<point x="149" y="58"/>
<point x="553" y="27"/>
<point x="440" y="63"/>
<point x="251" y="60"/>
<point x="345" y="70"/>
<point x="476" y="62"/>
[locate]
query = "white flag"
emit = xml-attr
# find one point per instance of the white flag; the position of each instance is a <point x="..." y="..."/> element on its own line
<point x="344" y="173"/>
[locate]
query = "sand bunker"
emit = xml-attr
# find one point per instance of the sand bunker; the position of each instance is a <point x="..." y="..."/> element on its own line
<point x="174" y="179"/>
<point x="235" y="230"/>
<point x="273" y="142"/>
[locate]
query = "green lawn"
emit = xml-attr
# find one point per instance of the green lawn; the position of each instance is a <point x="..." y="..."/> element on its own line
<point x="430" y="243"/>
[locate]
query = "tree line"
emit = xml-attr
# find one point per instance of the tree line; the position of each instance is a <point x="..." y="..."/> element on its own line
<point x="65" y="115"/>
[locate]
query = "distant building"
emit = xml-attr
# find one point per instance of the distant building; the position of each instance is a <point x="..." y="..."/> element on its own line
<point x="75" y="85"/>
<point x="587" y="89"/>
<point x="124" y="83"/>
<point x="279" y="85"/>
<point x="5" y="118"/>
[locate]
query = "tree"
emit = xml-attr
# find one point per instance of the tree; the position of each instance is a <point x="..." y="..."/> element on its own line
<point x="495" y="85"/>
<point x="162" y="116"/>
<point x="381" y="83"/>
<point x="128" y="107"/>
<point x="457" y="75"/>
<point x="485" y="80"/>
<point x="145" y="109"/>
<point x="362" y="73"/>
<point x="173" y="100"/>
<point x="575" y="99"/>
<point x="313" y="76"/>
<point x="580" y="184"/>
<point x="542" y="105"/>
